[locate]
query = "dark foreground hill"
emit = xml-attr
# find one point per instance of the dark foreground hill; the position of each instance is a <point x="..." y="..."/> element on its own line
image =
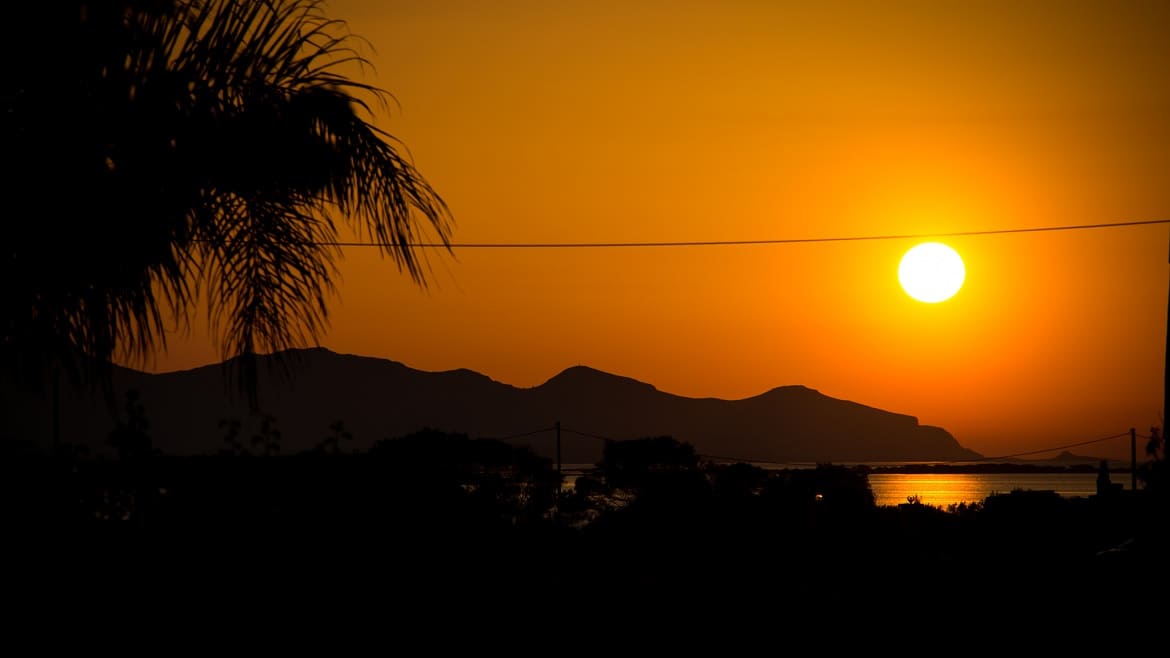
<point x="377" y="398"/>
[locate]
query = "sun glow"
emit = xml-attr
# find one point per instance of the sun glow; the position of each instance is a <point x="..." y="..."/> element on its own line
<point x="931" y="272"/>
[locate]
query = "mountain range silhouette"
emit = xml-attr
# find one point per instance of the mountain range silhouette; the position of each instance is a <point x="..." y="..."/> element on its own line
<point x="379" y="399"/>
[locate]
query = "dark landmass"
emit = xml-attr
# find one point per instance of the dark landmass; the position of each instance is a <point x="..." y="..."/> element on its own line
<point x="456" y="528"/>
<point x="998" y="467"/>
<point x="377" y="399"/>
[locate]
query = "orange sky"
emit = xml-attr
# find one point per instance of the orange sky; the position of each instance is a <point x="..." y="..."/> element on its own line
<point x="636" y="120"/>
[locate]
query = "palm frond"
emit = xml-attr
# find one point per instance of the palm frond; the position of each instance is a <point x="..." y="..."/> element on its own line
<point x="269" y="280"/>
<point x="214" y="142"/>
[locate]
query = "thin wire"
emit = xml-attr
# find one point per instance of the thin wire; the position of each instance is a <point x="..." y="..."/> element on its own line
<point x="587" y="435"/>
<point x="522" y="434"/>
<point x="780" y="463"/>
<point x="756" y="461"/>
<point x="727" y="243"/>
<point x="1036" y="452"/>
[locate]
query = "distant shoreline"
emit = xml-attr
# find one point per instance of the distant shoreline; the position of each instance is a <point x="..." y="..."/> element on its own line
<point x="1114" y="465"/>
<point x="1002" y="467"/>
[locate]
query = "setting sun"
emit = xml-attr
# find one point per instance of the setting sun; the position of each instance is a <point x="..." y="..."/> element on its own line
<point x="931" y="272"/>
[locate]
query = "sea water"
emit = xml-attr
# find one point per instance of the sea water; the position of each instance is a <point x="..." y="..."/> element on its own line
<point x="946" y="489"/>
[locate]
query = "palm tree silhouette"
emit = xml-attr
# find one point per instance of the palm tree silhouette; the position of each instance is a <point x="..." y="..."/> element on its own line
<point x="206" y="150"/>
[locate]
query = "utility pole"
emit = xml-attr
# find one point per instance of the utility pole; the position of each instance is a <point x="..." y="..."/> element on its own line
<point x="56" y="403"/>
<point x="558" y="426"/>
<point x="1166" y="375"/>
<point x="1132" y="459"/>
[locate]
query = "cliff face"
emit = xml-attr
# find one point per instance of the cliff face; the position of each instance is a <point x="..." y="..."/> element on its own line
<point x="378" y="398"/>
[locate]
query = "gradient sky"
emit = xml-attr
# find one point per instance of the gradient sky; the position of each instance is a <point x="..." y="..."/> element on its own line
<point x="743" y="120"/>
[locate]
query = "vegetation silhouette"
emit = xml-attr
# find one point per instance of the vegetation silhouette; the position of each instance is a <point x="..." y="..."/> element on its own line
<point x="267" y="440"/>
<point x="440" y="516"/>
<point x="337" y="436"/>
<point x="211" y="148"/>
<point x="231" y="437"/>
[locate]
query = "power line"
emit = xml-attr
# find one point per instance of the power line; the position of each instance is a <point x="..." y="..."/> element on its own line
<point x="731" y="243"/>
<point x="1036" y="452"/>
<point x="756" y="461"/>
<point x="789" y="463"/>
<point x="587" y="435"/>
<point x="520" y="435"/>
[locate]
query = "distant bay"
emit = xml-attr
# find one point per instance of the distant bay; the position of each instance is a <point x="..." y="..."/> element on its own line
<point x="943" y="489"/>
<point x="946" y="489"/>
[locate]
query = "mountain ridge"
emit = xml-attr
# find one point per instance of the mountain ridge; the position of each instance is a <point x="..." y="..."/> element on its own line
<point x="378" y="398"/>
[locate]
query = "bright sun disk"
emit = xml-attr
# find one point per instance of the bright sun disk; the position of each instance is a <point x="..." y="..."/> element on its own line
<point x="931" y="272"/>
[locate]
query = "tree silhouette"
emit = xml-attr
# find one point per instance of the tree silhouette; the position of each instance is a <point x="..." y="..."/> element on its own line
<point x="267" y="439"/>
<point x="130" y="437"/>
<point x="654" y="477"/>
<point x="331" y="444"/>
<point x="635" y="462"/>
<point x="231" y="437"/>
<point x="209" y="146"/>
<point x="1154" y="445"/>
<point x="1155" y="472"/>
